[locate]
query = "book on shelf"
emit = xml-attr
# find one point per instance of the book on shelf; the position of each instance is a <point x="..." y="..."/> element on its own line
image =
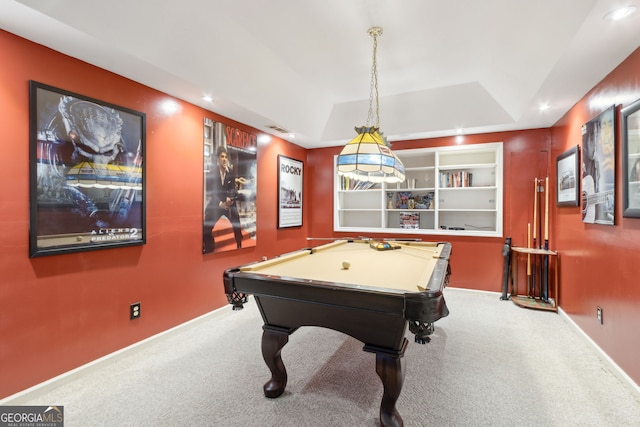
<point x="347" y="183"/>
<point x="456" y="179"/>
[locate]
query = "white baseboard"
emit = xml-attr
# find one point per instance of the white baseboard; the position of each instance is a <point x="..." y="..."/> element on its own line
<point x="617" y="369"/>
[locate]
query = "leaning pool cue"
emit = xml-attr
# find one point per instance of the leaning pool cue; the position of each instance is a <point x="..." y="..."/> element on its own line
<point x="540" y="261"/>
<point x="528" y="260"/>
<point x="545" y="290"/>
<point x="535" y="212"/>
<point x="506" y="254"/>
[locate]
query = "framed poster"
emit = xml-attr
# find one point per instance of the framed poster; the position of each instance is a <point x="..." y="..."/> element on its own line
<point x="599" y="168"/>
<point x="290" y="173"/>
<point x="87" y="174"/>
<point x="631" y="159"/>
<point x="567" y="167"/>
<point x="229" y="194"/>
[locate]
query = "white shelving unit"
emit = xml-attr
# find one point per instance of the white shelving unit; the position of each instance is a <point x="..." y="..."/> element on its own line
<point x="449" y="190"/>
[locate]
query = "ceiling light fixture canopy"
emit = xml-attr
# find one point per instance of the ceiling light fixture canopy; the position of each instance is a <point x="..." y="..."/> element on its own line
<point x="368" y="157"/>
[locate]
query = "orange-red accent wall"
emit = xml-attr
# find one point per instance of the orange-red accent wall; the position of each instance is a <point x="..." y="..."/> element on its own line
<point x="600" y="265"/>
<point x="59" y="312"/>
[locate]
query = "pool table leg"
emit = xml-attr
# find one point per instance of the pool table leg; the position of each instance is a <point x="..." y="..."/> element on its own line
<point x="273" y="339"/>
<point x="390" y="369"/>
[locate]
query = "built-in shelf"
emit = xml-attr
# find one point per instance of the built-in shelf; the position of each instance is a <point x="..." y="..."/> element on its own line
<point x="449" y="190"/>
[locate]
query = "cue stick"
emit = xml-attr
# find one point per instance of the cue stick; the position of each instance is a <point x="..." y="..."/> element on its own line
<point x="535" y="211"/>
<point x="331" y="238"/>
<point x="545" y="291"/>
<point x="540" y="234"/>
<point x="528" y="260"/>
<point x="335" y="239"/>
<point x="408" y="244"/>
<point x="506" y="252"/>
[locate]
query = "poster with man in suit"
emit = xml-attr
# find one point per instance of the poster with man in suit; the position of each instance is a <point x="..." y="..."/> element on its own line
<point x="229" y="212"/>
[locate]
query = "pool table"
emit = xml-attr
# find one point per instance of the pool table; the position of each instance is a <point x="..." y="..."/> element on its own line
<point x="353" y="286"/>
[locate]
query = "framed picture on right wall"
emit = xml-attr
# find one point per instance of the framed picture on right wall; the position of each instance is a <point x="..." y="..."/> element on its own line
<point x="631" y="159"/>
<point x="567" y="169"/>
<point x="598" y="168"/>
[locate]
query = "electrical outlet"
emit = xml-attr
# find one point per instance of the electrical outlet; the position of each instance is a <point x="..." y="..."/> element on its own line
<point x="599" y="314"/>
<point x="134" y="311"/>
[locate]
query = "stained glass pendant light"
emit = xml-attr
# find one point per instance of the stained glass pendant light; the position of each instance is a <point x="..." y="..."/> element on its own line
<point x="368" y="157"/>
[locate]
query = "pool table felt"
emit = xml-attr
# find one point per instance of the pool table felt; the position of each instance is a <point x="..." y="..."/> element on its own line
<point x="406" y="269"/>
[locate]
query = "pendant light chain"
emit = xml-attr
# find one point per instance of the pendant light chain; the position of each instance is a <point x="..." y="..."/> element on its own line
<point x="373" y="89"/>
<point x="368" y="156"/>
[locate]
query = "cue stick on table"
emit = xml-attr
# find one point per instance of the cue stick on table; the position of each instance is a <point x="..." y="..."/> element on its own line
<point x="351" y="239"/>
<point x="401" y="243"/>
<point x="334" y="238"/>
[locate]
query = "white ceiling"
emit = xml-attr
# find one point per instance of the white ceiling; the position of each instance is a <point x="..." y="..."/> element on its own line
<point x="305" y="65"/>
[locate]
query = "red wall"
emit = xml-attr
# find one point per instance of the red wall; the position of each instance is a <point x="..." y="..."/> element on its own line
<point x="59" y="312"/>
<point x="599" y="263"/>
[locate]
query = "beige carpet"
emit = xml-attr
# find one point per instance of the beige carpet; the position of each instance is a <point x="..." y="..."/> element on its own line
<point x="490" y="363"/>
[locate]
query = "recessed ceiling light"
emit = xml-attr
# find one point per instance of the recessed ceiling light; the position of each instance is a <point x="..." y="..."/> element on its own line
<point x="621" y="13"/>
<point x="263" y="138"/>
<point x="207" y="98"/>
<point x="543" y="107"/>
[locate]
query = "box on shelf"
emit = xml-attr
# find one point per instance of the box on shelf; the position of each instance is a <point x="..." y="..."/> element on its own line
<point x="410" y="220"/>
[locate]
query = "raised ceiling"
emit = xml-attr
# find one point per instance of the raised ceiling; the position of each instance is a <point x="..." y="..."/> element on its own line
<point x="304" y="66"/>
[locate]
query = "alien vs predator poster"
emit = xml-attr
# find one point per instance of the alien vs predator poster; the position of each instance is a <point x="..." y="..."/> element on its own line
<point x="86" y="173"/>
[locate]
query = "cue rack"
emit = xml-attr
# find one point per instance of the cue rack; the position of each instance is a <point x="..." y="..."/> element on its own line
<point x="538" y="257"/>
